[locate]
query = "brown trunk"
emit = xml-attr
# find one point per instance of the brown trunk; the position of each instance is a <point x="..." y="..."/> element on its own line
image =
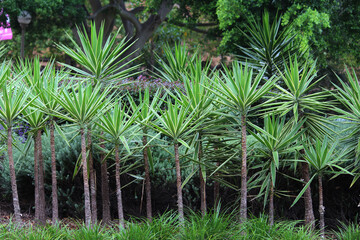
<point x="36" y="177"/>
<point x="178" y="184"/>
<point x="42" y="214"/>
<point x="13" y="177"/>
<point x="243" y="196"/>
<point x="216" y="189"/>
<point x="309" y="213"/>
<point x="86" y="179"/>
<point x="321" y="208"/>
<point x="202" y="192"/>
<point x="55" y="206"/>
<point x="92" y="179"/>
<point x="271" y="204"/>
<point x="147" y="180"/>
<point x="118" y="188"/>
<point x="202" y="183"/>
<point x="105" y="190"/>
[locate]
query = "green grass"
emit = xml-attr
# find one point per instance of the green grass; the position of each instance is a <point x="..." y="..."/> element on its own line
<point x="214" y="225"/>
<point x="259" y="229"/>
<point x="348" y="232"/>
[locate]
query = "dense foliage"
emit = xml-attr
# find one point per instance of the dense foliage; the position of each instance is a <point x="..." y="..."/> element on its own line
<point x="255" y="133"/>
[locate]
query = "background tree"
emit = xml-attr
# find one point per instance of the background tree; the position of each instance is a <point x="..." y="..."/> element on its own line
<point x="270" y="46"/>
<point x="312" y="22"/>
<point x="48" y="23"/>
<point x="139" y="20"/>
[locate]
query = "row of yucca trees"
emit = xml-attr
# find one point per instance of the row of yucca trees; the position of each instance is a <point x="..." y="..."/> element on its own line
<point x="209" y="108"/>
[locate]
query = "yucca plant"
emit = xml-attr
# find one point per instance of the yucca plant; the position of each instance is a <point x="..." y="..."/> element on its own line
<point x="145" y="116"/>
<point x="277" y="140"/>
<point x="37" y="121"/>
<point x="101" y="63"/>
<point x="82" y="106"/>
<point x="14" y="99"/>
<point x="270" y="45"/>
<point x="42" y="81"/>
<point x="239" y="91"/>
<point x="324" y="158"/>
<point x="177" y="63"/>
<point x="179" y="66"/>
<point x="47" y="89"/>
<point x="99" y="57"/>
<point x="301" y="104"/>
<point x="178" y="123"/>
<point x="116" y="123"/>
<point x="199" y="99"/>
<point x="348" y="94"/>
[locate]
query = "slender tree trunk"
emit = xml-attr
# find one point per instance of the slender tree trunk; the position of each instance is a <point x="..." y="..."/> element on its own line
<point x="42" y="214"/>
<point x="36" y="178"/>
<point x="92" y="180"/>
<point x="105" y="189"/>
<point x="216" y="189"/>
<point x="147" y="179"/>
<point x="86" y="179"/>
<point x="202" y="192"/>
<point x="271" y="203"/>
<point x="54" y="194"/>
<point x="178" y="184"/>
<point x="13" y="177"/>
<point x="321" y="208"/>
<point x="118" y="188"/>
<point x="202" y="183"/>
<point x="243" y="200"/>
<point x="309" y="213"/>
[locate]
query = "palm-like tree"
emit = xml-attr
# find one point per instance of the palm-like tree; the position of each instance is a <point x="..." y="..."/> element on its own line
<point x="37" y="121"/>
<point x="48" y="89"/>
<point x="98" y="57"/>
<point x="116" y="123"/>
<point x="270" y="45"/>
<point x="348" y="95"/>
<point x="239" y="91"/>
<point x="303" y="105"/>
<point x="13" y="102"/>
<point x="277" y="139"/>
<point x="82" y="106"/>
<point x="178" y="123"/>
<point x="177" y="63"/>
<point x="199" y="100"/>
<point x="146" y="116"/>
<point x="43" y="83"/>
<point x="189" y="70"/>
<point x="324" y="158"/>
<point x="99" y="62"/>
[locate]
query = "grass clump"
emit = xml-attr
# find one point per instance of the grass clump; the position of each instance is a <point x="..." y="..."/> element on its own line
<point x="214" y="225"/>
<point x="259" y="229"/>
<point x="348" y="232"/>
